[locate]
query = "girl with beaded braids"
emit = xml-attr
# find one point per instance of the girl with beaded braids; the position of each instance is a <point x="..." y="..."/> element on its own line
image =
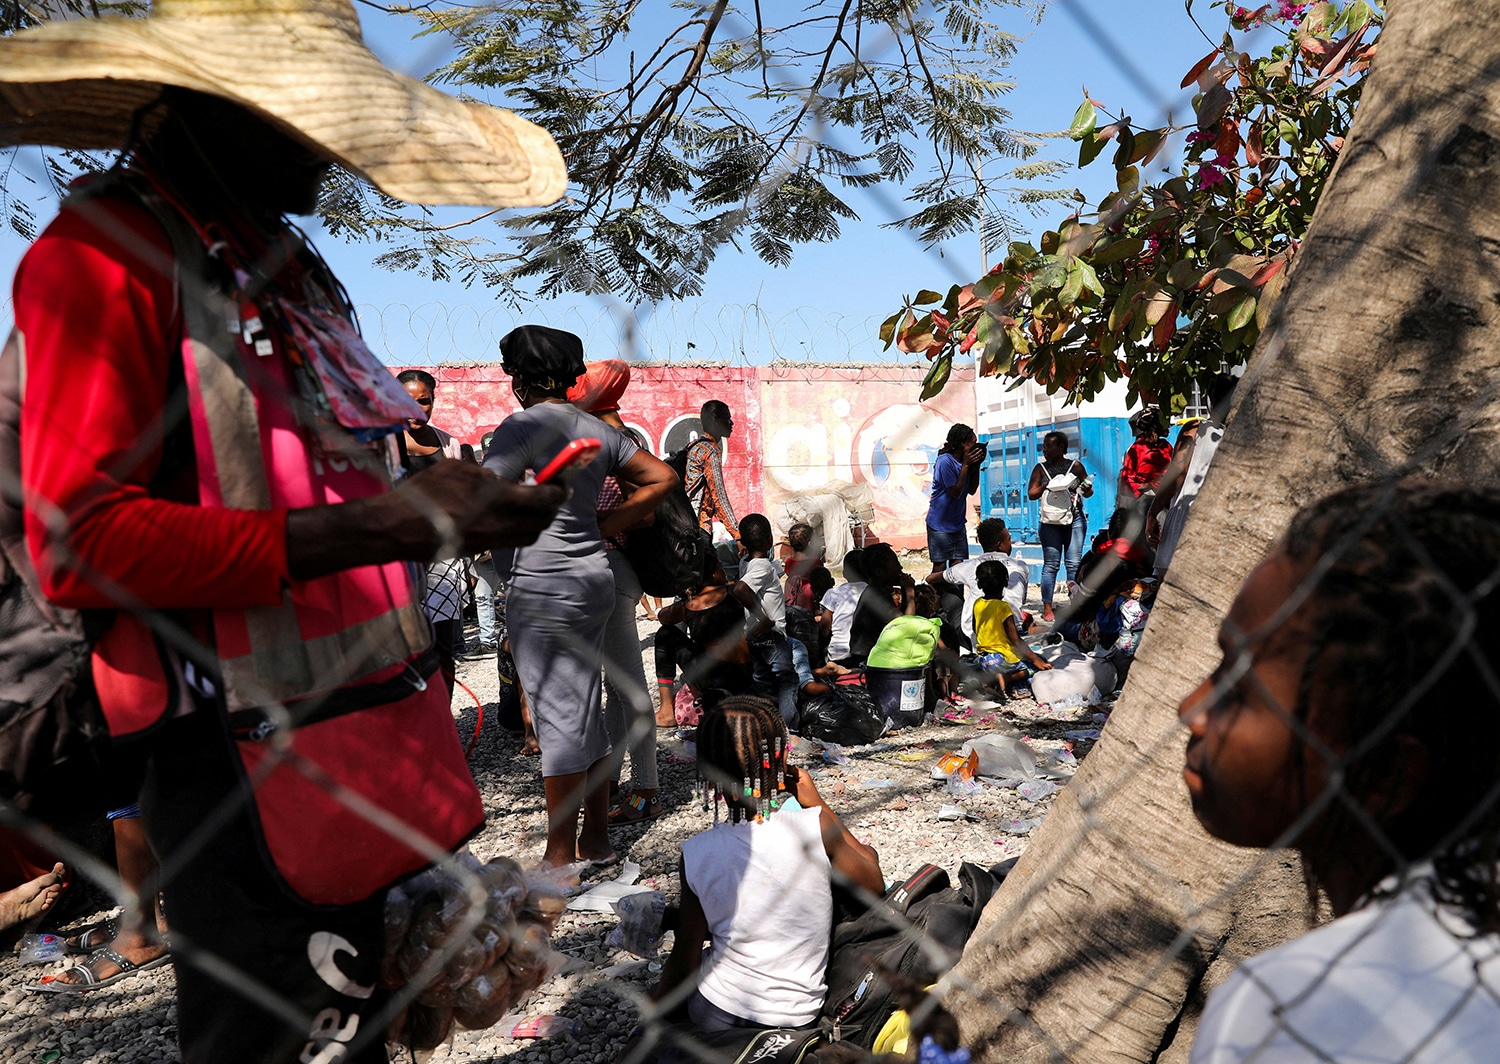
<point x="1356" y="718"/>
<point x="759" y="883"/>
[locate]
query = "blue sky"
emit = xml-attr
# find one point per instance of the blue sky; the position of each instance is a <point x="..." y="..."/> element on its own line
<point x="1131" y="54"/>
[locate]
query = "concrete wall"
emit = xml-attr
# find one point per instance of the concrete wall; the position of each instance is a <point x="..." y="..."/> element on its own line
<point x="798" y="427"/>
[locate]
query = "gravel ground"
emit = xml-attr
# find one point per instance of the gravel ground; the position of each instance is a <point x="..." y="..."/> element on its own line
<point x="884" y="792"/>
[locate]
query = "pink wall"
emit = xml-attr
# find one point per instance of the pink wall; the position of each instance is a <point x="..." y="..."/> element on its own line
<point x="662" y="404"/>
<point x="797" y="427"/>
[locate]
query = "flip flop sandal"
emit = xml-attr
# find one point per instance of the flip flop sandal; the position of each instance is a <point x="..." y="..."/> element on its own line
<point x="598" y="864"/>
<point x="635" y="809"/>
<point x="49" y="983"/>
<point x="93" y="938"/>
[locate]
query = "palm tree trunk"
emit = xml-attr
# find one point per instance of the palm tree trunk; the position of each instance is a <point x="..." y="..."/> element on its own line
<point x="1384" y="358"/>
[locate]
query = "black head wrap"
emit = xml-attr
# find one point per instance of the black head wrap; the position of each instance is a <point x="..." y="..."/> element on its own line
<point x="541" y="357"/>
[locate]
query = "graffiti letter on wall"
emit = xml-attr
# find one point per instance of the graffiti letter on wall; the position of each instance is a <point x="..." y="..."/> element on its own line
<point x="798" y="457"/>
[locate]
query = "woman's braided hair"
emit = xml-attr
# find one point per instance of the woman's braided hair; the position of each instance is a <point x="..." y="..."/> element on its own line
<point x="742" y="750"/>
<point x="1406" y="631"/>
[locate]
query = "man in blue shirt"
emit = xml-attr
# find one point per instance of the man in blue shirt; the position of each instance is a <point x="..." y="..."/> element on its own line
<point x="955" y="476"/>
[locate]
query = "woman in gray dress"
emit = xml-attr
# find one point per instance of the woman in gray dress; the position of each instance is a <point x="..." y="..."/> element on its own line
<point x="560" y="589"/>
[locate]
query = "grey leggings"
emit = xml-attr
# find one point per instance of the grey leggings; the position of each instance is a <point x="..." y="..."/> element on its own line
<point x="629" y="716"/>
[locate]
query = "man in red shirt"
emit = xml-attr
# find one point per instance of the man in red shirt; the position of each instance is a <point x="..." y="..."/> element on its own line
<point x="228" y="515"/>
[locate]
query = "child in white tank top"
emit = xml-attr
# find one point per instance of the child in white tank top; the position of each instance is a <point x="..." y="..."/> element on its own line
<point x="758" y="885"/>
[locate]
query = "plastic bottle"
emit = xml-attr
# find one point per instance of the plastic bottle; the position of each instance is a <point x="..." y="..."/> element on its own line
<point x="1018" y="827"/>
<point x="1036" y="790"/>
<point x="39" y="949"/>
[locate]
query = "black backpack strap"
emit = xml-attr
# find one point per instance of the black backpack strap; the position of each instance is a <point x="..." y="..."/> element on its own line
<point x="927" y="880"/>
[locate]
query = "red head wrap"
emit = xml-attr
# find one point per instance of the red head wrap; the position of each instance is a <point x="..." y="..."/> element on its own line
<point x="599" y="390"/>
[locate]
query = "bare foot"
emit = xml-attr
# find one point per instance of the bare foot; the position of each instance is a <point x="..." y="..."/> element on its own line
<point x="530" y="748"/>
<point x="31" y="899"/>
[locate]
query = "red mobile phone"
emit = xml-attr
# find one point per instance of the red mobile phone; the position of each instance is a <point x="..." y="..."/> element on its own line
<point x="570" y="461"/>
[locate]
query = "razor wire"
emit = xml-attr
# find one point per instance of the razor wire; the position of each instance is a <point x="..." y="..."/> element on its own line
<point x="435" y="334"/>
<point x="735" y="334"/>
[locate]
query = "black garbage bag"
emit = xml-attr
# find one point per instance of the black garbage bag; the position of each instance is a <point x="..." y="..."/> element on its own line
<point x="847" y="715"/>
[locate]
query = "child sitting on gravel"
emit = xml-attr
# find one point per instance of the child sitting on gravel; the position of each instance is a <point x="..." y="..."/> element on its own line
<point x="998" y="645"/>
<point x="759" y="885"/>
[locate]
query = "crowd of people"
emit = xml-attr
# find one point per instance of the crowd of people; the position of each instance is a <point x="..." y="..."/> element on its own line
<point x="252" y="568"/>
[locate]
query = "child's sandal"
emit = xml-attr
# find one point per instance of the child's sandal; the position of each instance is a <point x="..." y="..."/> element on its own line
<point x="635" y="809"/>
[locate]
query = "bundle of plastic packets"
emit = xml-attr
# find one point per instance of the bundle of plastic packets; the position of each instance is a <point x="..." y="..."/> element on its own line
<point x="471" y="942"/>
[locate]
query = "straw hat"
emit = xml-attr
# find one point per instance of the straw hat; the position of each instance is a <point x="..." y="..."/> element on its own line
<point x="302" y="63"/>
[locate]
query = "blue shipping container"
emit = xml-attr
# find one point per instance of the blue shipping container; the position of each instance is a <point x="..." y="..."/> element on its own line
<point x="1098" y="442"/>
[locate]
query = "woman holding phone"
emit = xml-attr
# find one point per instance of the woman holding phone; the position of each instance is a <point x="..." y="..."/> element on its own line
<point x="560" y="589"/>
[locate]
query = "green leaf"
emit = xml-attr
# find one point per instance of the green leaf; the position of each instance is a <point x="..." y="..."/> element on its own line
<point x="1090" y="278"/>
<point x="1128" y="179"/>
<point x="1120" y="313"/>
<point x="1089" y="148"/>
<point x="1085" y="120"/>
<point x="1124" y="248"/>
<point x="1125" y="153"/>
<point x="926" y="296"/>
<point x="1242" y="314"/>
<point x="888" y="329"/>
<point x="1024" y="252"/>
<point x="1054" y="276"/>
<point x="937" y="376"/>
<point x="1073" y="287"/>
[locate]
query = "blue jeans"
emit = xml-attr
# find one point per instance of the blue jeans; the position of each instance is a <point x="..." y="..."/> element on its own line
<point x="776" y="673"/>
<point x="801" y="661"/>
<point x="485" y="584"/>
<point x="947" y="546"/>
<point x="1061" y="543"/>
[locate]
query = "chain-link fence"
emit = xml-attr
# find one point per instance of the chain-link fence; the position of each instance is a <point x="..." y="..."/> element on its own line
<point x="290" y="743"/>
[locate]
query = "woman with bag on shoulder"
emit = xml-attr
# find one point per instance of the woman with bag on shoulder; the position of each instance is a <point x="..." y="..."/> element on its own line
<point x="1061" y="483"/>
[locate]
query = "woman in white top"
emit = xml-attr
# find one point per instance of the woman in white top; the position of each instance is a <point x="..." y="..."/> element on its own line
<point x="1359" y="671"/>
<point x="759" y="884"/>
<point x="1063" y="528"/>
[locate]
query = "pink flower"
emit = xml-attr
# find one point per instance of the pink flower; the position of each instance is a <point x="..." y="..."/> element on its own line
<point x="1290" y="11"/>
<point x="1210" y="175"/>
<point x="1225" y="160"/>
<point x="1200" y="136"/>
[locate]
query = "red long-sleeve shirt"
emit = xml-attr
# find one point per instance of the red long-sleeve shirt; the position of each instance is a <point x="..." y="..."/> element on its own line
<point x="95" y="302"/>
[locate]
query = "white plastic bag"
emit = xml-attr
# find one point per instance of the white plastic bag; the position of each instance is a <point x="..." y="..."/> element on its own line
<point x="1073" y="676"/>
<point x="1002" y="756"/>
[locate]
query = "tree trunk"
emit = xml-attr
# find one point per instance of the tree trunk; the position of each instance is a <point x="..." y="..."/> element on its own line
<point x="1384" y="358"/>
